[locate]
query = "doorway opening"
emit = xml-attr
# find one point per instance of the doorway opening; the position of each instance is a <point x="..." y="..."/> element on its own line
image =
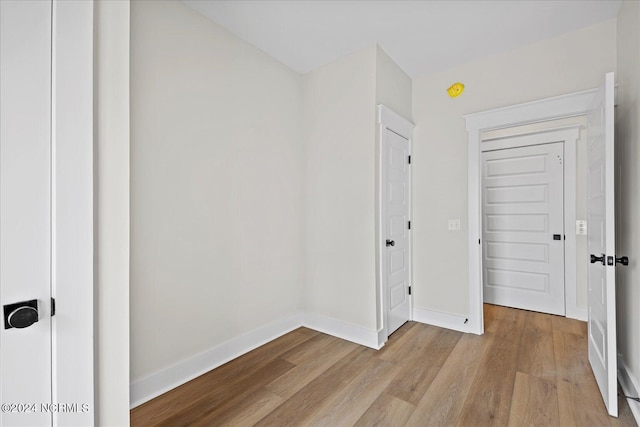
<point x="489" y="128"/>
<point x="528" y="204"/>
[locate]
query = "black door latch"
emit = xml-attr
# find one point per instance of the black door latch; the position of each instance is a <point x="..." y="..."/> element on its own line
<point x="622" y="260"/>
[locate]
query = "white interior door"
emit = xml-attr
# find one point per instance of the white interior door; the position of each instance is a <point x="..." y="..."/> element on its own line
<point x="601" y="244"/>
<point x="25" y="211"/>
<point x="396" y="190"/>
<point x="523" y="227"/>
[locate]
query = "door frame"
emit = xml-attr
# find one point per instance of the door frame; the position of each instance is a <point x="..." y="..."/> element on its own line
<point x="570" y="105"/>
<point x="568" y="137"/>
<point x="389" y="120"/>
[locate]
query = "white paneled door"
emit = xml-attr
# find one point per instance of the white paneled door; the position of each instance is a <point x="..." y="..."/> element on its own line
<point x="601" y="244"/>
<point x="523" y="227"/>
<point x="396" y="228"/>
<point x="25" y="212"/>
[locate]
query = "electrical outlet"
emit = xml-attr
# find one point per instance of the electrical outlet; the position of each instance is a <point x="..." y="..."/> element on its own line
<point x="581" y="227"/>
<point x="454" y="224"/>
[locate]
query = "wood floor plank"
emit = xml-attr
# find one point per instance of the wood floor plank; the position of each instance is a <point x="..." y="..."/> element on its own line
<point x="536" y="356"/>
<point x="444" y="400"/>
<point x="569" y="325"/>
<point x="398" y="334"/>
<point x="346" y="406"/>
<point x="489" y="399"/>
<point x="571" y="357"/>
<point x="581" y="405"/>
<point x="309" y="369"/>
<point x="386" y="411"/>
<point x="176" y="400"/>
<point x="420" y="367"/>
<point x="578" y="394"/>
<point x="534" y="402"/>
<point x="246" y="412"/>
<point x="308" y="349"/>
<point x="227" y="395"/>
<point x="492" y="315"/>
<point x="412" y="340"/>
<point x="306" y="401"/>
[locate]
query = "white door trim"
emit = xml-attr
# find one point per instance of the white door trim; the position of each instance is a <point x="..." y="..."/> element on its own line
<point x="72" y="211"/>
<point x="569" y="138"/>
<point x="570" y="105"/>
<point x="387" y="119"/>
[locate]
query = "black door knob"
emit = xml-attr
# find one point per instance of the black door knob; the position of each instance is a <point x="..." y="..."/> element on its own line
<point x="20" y="315"/>
<point x="622" y="260"/>
<point x="595" y="259"/>
<point x="390" y="243"/>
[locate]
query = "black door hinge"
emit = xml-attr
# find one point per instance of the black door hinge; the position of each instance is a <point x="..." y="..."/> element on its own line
<point x="409" y="225"/>
<point x="53" y="307"/>
<point x="409" y="159"/>
<point x="409" y="290"/>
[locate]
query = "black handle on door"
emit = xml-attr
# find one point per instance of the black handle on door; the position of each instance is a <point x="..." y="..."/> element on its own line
<point x="623" y="260"/>
<point x="595" y="259"/>
<point x="390" y="243"/>
<point x="21" y="314"/>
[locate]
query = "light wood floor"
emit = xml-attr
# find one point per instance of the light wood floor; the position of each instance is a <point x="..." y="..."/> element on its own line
<point x="527" y="369"/>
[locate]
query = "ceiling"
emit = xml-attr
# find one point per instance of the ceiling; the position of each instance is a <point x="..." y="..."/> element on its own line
<point x="421" y="36"/>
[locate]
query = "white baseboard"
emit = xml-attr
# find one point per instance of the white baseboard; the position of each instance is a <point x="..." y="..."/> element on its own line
<point x="162" y="381"/>
<point x="344" y="330"/>
<point x="443" y="320"/>
<point x="578" y="313"/>
<point x="630" y="387"/>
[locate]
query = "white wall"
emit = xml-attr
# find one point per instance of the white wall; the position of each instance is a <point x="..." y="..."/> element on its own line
<point x="628" y="186"/>
<point x="111" y="133"/>
<point x="339" y="179"/>
<point x="563" y="64"/>
<point x="393" y="85"/>
<point x="216" y="201"/>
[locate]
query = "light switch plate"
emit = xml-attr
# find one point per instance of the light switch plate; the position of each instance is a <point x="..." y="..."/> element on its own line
<point x="581" y="227"/>
<point x="454" y="224"/>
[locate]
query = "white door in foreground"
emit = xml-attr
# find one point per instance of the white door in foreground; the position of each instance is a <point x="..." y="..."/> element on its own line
<point x="601" y="244"/>
<point x="523" y="227"/>
<point x="395" y="227"/>
<point x="25" y="212"/>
